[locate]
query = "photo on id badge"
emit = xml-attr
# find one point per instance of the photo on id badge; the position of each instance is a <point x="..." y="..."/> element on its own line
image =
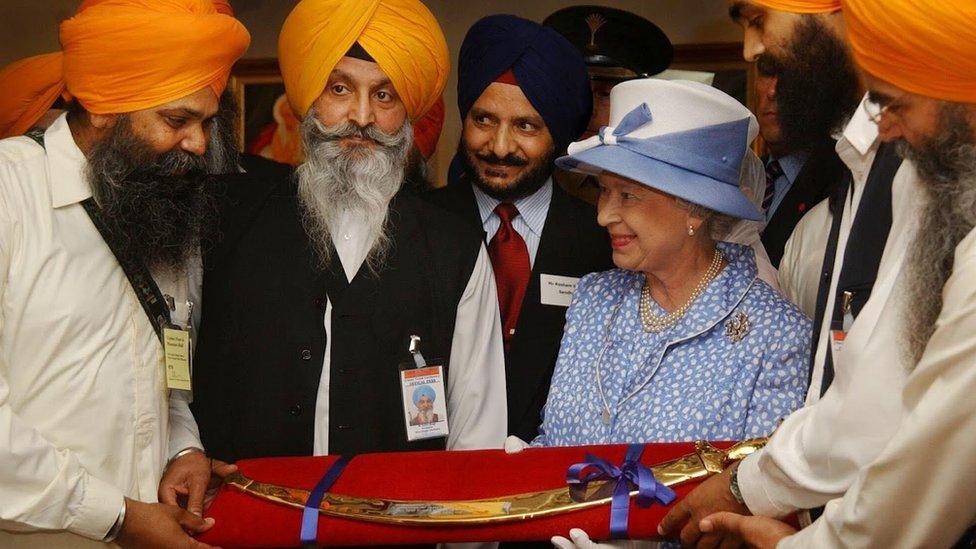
<point x="424" y="403"/>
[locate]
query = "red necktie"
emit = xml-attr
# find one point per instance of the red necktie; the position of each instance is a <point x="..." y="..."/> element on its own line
<point x="510" y="261"/>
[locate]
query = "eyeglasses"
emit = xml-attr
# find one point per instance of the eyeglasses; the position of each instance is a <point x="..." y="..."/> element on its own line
<point x="876" y="111"/>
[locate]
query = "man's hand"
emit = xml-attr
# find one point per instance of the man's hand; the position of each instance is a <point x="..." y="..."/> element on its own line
<point x="757" y="532"/>
<point x="161" y="526"/>
<point x="189" y="477"/>
<point x="711" y="496"/>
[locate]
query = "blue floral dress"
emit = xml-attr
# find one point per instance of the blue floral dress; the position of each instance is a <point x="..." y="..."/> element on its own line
<point x="731" y="368"/>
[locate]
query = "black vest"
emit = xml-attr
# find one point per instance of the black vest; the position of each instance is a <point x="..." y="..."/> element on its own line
<point x="572" y="244"/>
<point x="262" y="340"/>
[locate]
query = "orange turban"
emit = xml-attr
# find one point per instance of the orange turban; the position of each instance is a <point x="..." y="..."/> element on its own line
<point x="124" y="55"/>
<point x="401" y="35"/>
<point x="924" y="47"/>
<point x="224" y="7"/>
<point x="801" y="6"/>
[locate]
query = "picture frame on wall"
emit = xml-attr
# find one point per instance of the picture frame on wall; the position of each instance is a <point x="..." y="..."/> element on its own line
<point x="266" y="125"/>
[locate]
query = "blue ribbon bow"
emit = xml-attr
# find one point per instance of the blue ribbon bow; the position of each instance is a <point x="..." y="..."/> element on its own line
<point x="634" y="120"/>
<point x="631" y="472"/>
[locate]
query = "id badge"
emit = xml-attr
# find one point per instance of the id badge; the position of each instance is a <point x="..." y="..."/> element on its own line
<point x="424" y="402"/>
<point x="177" y="356"/>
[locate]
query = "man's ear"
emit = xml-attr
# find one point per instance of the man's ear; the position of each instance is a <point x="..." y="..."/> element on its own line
<point x="103" y="121"/>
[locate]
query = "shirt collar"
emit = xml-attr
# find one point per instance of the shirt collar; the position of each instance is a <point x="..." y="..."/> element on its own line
<point x="529" y="207"/>
<point x="792" y="164"/>
<point x="861" y="132"/>
<point x="66" y="165"/>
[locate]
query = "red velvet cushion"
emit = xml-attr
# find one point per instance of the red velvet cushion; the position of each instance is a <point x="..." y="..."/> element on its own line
<point x="246" y="521"/>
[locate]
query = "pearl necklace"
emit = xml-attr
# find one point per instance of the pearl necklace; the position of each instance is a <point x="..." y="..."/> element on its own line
<point x="654" y="323"/>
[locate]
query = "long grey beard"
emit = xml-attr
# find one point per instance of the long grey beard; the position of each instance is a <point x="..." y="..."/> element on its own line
<point x="359" y="180"/>
<point x="947" y="168"/>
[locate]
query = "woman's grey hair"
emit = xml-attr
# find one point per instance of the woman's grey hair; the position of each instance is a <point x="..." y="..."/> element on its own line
<point x="717" y="224"/>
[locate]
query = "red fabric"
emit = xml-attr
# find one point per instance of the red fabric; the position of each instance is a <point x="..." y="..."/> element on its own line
<point x="245" y="521"/>
<point x="507" y="77"/>
<point x="510" y="261"/>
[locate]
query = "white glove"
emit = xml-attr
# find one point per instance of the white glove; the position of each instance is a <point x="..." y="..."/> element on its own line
<point x="514" y="445"/>
<point x="579" y="539"/>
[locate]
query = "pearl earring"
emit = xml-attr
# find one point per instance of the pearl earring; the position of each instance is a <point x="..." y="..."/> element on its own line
<point x="691" y="231"/>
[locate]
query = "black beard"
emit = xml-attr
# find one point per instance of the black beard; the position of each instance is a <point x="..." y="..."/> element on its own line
<point x="527" y="184"/>
<point x="817" y="86"/>
<point x="946" y="165"/>
<point x="160" y="207"/>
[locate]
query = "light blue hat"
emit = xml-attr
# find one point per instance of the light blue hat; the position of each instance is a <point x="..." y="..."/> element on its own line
<point x="683" y="138"/>
<point x="423" y="390"/>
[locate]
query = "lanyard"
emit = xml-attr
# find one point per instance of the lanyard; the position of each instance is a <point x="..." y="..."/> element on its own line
<point x="142" y="282"/>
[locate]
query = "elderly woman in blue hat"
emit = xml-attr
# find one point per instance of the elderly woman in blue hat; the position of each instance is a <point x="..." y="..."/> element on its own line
<point x="682" y="341"/>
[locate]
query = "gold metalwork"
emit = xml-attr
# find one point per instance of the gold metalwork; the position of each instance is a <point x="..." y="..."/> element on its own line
<point x="705" y="461"/>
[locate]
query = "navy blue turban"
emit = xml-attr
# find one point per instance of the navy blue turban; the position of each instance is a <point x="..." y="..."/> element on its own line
<point x="548" y="68"/>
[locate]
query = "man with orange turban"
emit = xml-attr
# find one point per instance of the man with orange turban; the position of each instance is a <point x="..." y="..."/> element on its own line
<point x="917" y="62"/>
<point x="101" y="216"/>
<point x="345" y="270"/>
<point x="859" y="238"/>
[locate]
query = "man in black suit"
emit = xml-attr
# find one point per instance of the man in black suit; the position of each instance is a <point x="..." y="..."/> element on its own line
<point x="540" y="239"/>
<point x="800" y="170"/>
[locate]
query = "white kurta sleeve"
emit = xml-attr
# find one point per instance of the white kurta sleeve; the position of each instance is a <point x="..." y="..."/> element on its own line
<point x="476" y="397"/>
<point x="43" y="487"/>
<point x="920" y="490"/>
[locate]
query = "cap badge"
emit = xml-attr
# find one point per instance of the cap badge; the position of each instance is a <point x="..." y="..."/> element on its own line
<point x="594" y="21"/>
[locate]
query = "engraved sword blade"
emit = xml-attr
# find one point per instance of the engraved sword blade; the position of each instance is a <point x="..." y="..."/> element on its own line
<point x="706" y="461"/>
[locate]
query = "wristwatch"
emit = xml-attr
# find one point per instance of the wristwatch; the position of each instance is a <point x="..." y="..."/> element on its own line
<point x="734" y="485"/>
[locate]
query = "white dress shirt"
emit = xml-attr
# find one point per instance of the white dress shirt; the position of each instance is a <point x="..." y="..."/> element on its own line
<point x="85" y="415"/>
<point x="533" y="210"/>
<point x="817" y="451"/>
<point x="476" y="398"/>
<point x="802" y="263"/>
<point x="919" y="492"/>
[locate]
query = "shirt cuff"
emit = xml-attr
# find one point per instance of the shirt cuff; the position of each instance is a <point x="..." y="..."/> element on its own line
<point x="753" y="489"/>
<point x="181" y="441"/>
<point x="99" y="509"/>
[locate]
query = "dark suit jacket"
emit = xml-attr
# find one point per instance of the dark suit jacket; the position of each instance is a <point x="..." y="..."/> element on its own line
<point x="572" y="244"/>
<point x="822" y="171"/>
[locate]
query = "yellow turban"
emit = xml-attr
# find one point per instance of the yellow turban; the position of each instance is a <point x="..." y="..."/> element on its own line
<point x="401" y="35"/>
<point x="124" y="55"/>
<point x="924" y="47"/>
<point x="801" y="6"/>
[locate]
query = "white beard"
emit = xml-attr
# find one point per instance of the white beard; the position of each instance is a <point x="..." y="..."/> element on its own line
<point x="425" y="416"/>
<point x="335" y="179"/>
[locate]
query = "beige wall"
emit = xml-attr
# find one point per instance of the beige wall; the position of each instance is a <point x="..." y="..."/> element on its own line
<point x="29" y="27"/>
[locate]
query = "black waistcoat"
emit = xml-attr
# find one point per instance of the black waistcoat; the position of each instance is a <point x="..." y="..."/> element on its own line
<point x="262" y="339"/>
<point x="572" y="244"/>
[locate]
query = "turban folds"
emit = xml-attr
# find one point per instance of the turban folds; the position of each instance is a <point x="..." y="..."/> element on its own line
<point x="224" y="7"/>
<point x="121" y="56"/>
<point x="801" y="6"/>
<point x="548" y="68"/>
<point x="923" y="47"/>
<point x="401" y="35"/>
